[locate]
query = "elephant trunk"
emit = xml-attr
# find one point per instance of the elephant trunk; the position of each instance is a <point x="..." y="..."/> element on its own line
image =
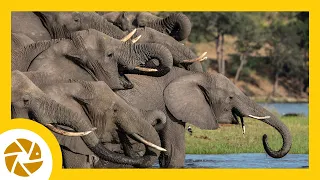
<point x="253" y="110"/>
<point x="151" y="52"/>
<point x="176" y="25"/>
<point x="102" y="25"/>
<point x="45" y="111"/>
<point x="141" y="128"/>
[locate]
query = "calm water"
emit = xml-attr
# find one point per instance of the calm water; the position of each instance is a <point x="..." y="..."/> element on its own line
<point x="283" y="108"/>
<point x="246" y="160"/>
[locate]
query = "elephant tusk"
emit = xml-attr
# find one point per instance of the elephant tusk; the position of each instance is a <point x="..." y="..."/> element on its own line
<point x="145" y="69"/>
<point x="66" y="133"/>
<point x="200" y="58"/>
<point x="257" y="117"/>
<point x="141" y="139"/>
<point x="242" y="125"/>
<point x="136" y="39"/>
<point x="127" y="37"/>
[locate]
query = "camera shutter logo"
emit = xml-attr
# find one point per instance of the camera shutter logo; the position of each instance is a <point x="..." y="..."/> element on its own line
<point x="23" y="157"/>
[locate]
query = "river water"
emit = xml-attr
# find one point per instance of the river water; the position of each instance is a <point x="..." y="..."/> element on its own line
<point x="246" y="160"/>
<point x="284" y="108"/>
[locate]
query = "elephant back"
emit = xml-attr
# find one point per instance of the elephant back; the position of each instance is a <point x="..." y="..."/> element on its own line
<point x="29" y="24"/>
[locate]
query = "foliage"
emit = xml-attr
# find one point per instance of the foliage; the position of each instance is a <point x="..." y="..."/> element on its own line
<point x="282" y="36"/>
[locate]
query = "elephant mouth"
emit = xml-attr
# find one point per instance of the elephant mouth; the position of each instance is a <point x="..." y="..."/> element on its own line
<point x="239" y="119"/>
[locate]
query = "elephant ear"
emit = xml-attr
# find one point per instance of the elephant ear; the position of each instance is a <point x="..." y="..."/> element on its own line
<point x="76" y="56"/>
<point x="187" y="100"/>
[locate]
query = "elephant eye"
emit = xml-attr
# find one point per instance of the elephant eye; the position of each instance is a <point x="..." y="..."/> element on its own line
<point x="25" y="101"/>
<point x="109" y="54"/>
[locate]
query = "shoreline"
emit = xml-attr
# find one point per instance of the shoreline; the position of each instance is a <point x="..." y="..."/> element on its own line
<point x="265" y="99"/>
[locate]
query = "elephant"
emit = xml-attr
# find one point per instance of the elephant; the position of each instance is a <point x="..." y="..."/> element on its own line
<point x="202" y="99"/>
<point x="29" y="24"/>
<point x="62" y="24"/>
<point x="92" y="55"/>
<point x="176" y="25"/>
<point x="82" y="106"/>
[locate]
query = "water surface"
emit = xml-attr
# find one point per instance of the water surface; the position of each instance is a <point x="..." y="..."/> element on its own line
<point x="284" y="108"/>
<point x="246" y="160"/>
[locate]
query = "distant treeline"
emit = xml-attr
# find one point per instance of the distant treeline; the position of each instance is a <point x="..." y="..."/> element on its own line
<point x="283" y="36"/>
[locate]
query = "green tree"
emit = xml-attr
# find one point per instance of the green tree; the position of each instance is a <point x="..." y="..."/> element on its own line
<point x="283" y="50"/>
<point x="213" y="26"/>
<point x="302" y="25"/>
<point x="248" y="30"/>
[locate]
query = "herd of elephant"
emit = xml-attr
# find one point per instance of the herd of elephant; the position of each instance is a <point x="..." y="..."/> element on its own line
<point x="117" y="88"/>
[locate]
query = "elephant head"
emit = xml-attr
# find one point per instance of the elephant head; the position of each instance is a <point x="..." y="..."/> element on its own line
<point x="207" y="100"/>
<point x="114" y="113"/>
<point x="176" y="25"/>
<point x="62" y="24"/>
<point x="108" y="58"/>
<point x="104" y="58"/>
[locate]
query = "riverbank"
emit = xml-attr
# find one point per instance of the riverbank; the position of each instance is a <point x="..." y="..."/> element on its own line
<point x="229" y="139"/>
<point x="264" y="99"/>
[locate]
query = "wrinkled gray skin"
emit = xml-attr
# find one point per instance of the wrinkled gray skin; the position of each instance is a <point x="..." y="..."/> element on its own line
<point x="200" y="99"/>
<point x="92" y="55"/>
<point x="176" y="25"/>
<point x="19" y="40"/>
<point x="29" y="24"/>
<point x="81" y="106"/>
<point x="62" y="24"/>
<point x="24" y="50"/>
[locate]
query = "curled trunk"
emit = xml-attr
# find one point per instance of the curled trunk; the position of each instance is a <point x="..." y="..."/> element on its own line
<point x="176" y="25"/>
<point x="248" y="107"/>
<point x="151" y="55"/>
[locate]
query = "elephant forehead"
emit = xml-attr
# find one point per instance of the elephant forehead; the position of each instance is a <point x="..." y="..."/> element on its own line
<point x="64" y="17"/>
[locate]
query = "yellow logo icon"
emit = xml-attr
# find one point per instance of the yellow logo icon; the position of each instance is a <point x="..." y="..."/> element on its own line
<point x="23" y="157"/>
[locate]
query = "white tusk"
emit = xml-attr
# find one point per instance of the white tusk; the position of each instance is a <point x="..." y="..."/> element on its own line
<point x="200" y="58"/>
<point x="127" y="37"/>
<point x="145" y="69"/>
<point x="136" y="39"/>
<point x="243" y="129"/>
<point x="139" y="138"/>
<point x="205" y="58"/>
<point x="202" y="55"/>
<point x="67" y="133"/>
<point x="257" y="117"/>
